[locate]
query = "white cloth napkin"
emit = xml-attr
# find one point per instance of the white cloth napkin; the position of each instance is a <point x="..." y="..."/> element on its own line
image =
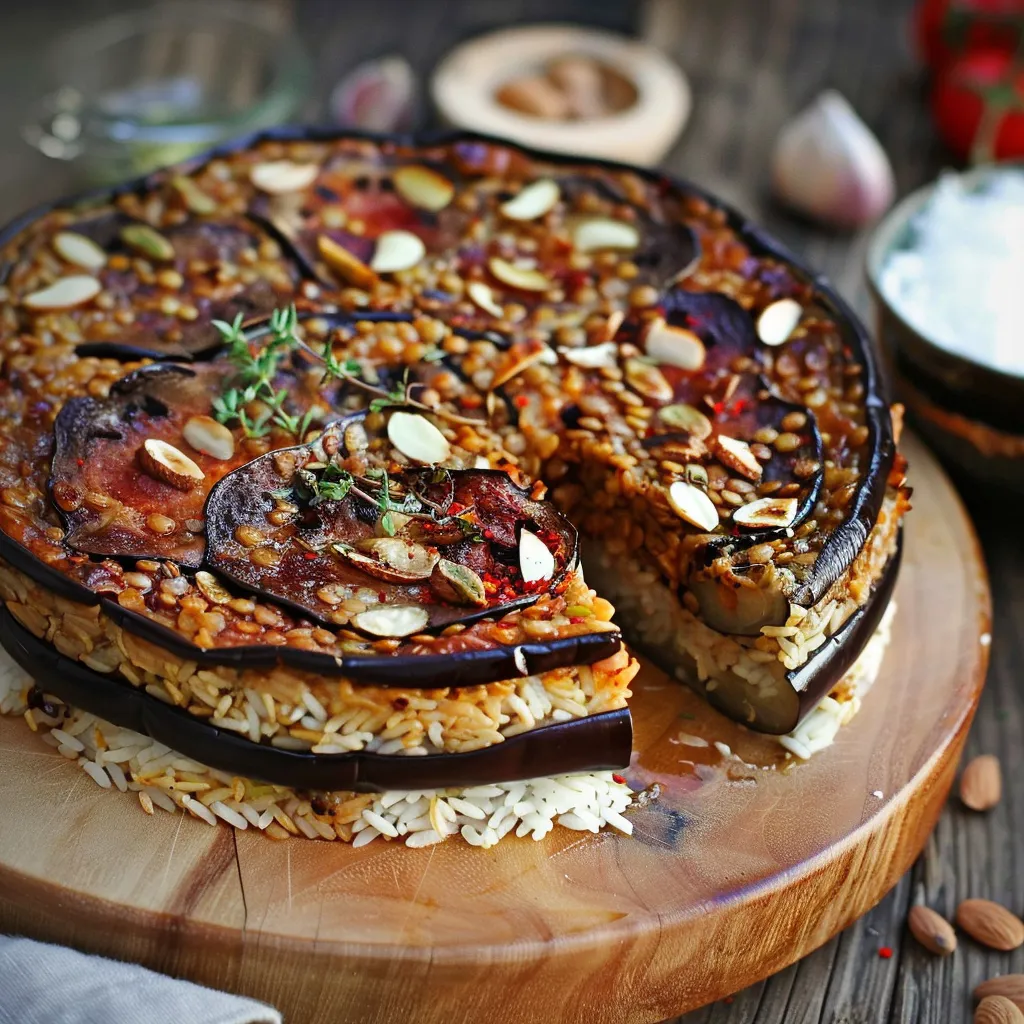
<point x="43" y="984"/>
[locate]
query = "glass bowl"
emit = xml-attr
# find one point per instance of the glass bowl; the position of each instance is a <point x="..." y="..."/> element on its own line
<point x="151" y="87"/>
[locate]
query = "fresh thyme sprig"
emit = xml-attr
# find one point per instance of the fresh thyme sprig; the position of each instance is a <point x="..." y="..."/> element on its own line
<point x="256" y="372"/>
<point x="258" y="365"/>
<point x="350" y="369"/>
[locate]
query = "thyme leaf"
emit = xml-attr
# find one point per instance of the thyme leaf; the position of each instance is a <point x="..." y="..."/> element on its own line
<point x="256" y="372"/>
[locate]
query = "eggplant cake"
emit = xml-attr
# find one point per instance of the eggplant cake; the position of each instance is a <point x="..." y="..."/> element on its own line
<point x="306" y="445"/>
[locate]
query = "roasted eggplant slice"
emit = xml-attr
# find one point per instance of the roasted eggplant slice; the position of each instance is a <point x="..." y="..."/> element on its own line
<point x="131" y="471"/>
<point x="596" y="743"/>
<point x="125" y="480"/>
<point x="231" y="266"/>
<point x="310" y="534"/>
<point x="779" y="712"/>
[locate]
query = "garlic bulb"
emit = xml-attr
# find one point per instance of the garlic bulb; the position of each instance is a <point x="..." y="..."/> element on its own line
<point x="828" y="165"/>
<point x="376" y="96"/>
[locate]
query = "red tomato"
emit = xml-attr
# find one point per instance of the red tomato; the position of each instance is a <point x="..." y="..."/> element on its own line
<point x="944" y="28"/>
<point x="973" y="84"/>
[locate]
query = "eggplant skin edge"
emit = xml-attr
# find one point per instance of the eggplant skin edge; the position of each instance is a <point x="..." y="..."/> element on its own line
<point x="841" y="546"/>
<point x="597" y="743"/>
<point x="424" y="672"/>
<point x="816" y="678"/>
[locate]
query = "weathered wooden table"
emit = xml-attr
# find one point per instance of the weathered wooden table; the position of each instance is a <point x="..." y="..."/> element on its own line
<point x="752" y="63"/>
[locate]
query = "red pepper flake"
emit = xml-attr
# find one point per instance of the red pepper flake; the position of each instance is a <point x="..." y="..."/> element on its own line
<point x="885" y="952"/>
<point x="576" y="619"/>
<point x="489" y="534"/>
<point x="718" y="408"/>
<point x="382" y="596"/>
<point x="521" y="401"/>
<point x="618" y="778"/>
<point x="81" y="462"/>
<point x="309" y="555"/>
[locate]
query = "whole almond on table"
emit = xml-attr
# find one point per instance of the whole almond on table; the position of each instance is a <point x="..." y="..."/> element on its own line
<point x="981" y="784"/>
<point x="998" y="1010"/>
<point x="1009" y="985"/>
<point x="990" y="924"/>
<point x="932" y="930"/>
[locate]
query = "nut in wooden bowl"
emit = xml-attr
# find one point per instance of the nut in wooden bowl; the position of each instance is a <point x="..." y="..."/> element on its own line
<point x="566" y="89"/>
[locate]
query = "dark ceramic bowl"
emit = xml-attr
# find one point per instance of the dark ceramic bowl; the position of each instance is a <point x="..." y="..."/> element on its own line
<point x="971" y="413"/>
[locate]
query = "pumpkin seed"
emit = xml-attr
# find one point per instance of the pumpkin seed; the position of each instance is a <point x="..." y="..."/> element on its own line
<point x="457" y="584"/>
<point x="685" y="417"/>
<point x="148" y="241"/>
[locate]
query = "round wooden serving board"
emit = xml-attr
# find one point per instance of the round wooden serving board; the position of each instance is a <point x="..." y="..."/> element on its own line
<point x="733" y="874"/>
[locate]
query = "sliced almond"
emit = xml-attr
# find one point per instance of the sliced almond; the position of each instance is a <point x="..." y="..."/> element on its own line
<point x="593" y="357"/>
<point x="390" y="558"/>
<point x="981" y="785"/>
<point x="998" y="1010"/>
<point x="356" y="438"/>
<point x="211" y="588"/>
<point x="148" y="241"/>
<point x="280" y="176"/>
<point x="612" y="325"/>
<point x="990" y="924"/>
<point x="64" y="293"/>
<point x="457" y="584"/>
<point x="79" y="250"/>
<point x="423" y="187"/>
<point x="418" y="439"/>
<point x="778" y="321"/>
<point x="685" y="417"/>
<point x="1009" y="985"/>
<point x="483" y="297"/>
<point x="349" y="267"/>
<point x="528" y="279"/>
<point x="648" y="380"/>
<point x="767" y="513"/>
<point x="540" y="355"/>
<point x="737" y="456"/>
<point x="932" y="930"/>
<point x="536" y="562"/>
<point x="208" y="436"/>
<point x="532" y="201"/>
<point x="165" y="463"/>
<point x="674" y="346"/>
<point x="519" y="657"/>
<point x="595" y="233"/>
<point x="396" y="620"/>
<point x="410" y="558"/>
<point x="693" y="505"/>
<point x="397" y="250"/>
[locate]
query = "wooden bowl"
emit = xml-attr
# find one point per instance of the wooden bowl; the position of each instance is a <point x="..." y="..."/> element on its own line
<point x="464" y="89"/>
<point x="968" y="411"/>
